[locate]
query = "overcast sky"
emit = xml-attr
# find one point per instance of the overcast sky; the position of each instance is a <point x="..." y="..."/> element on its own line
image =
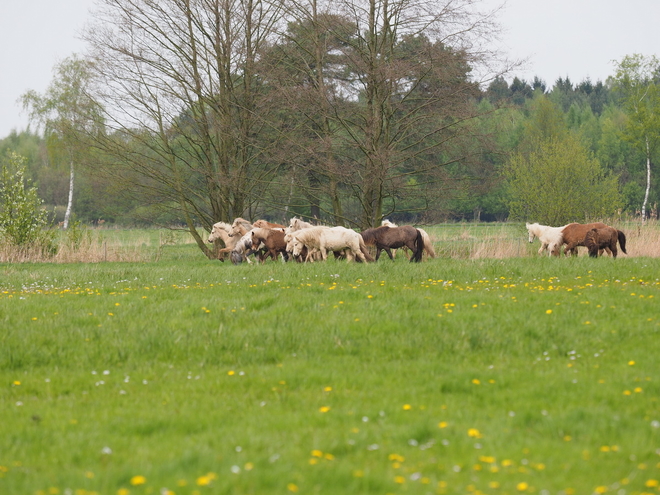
<point x="574" y="38"/>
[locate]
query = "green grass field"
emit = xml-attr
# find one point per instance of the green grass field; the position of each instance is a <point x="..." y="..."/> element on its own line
<point x="189" y="376"/>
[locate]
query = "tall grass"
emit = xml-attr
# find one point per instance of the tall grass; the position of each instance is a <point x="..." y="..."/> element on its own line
<point x="519" y="375"/>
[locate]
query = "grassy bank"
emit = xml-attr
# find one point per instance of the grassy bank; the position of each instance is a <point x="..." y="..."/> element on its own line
<point x="452" y="376"/>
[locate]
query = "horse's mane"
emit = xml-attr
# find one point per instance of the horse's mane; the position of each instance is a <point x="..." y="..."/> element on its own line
<point x="241" y="221"/>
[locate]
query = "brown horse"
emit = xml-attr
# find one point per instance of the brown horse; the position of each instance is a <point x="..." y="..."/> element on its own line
<point x="389" y="238"/>
<point x="265" y="224"/>
<point x="273" y="240"/>
<point x="604" y="238"/>
<point x="574" y="234"/>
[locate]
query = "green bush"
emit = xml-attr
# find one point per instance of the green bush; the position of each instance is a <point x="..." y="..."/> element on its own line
<point x="23" y="220"/>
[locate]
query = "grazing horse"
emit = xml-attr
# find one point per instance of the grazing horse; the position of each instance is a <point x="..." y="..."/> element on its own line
<point x="222" y="231"/>
<point x="604" y="238"/>
<point x="389" y="238"/>
<point x="550" y="237"/>
<point x="272" y="239"/>
<point x="574" y="234"/>
<point x="428" y="245"/>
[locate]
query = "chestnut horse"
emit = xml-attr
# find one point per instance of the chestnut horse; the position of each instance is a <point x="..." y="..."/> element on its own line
<point x="574" y="234"/>
<point x="273" y="240"/>
<point x="389" y="238"/>
<point x="604" y="238"/>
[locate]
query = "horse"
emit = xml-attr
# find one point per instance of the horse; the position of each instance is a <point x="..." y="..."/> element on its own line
<point x="273" y="241"/>
<point x="573" y="235"/>
<point x="388" y="238"/>
<point x="240" y="227"/>
<point x="222" y="231"/>
<point x="326" y="239"/>
<point x="428" y="245"/>
<point x="242" y="250"/>
<point x="296" y="224"/>
<point x="265" y="224"/>
<point x="597" y="240"/>
<point x="550" y="237"/>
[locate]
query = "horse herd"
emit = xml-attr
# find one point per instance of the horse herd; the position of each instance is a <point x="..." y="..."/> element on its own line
<point x="596" y="237"/>
<point x="303" y="241"/>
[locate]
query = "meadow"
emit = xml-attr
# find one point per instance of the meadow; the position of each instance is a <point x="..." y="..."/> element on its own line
<point x="464" y="374"/>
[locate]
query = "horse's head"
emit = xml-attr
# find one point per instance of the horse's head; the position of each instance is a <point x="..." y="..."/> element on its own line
<point x="296" y="246"/>
<point x="216" y="231"/>
<point x="530" y="229"/>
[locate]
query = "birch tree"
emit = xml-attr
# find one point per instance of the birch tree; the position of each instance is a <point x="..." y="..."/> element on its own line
<point x="637" y="77"/>
<point x="67" y="113"/>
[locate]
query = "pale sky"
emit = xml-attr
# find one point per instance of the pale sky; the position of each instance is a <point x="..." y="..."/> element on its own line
<point x="574" y="38"/>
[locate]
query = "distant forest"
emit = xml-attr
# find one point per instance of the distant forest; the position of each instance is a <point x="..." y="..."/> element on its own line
<point x="474" y="188"/>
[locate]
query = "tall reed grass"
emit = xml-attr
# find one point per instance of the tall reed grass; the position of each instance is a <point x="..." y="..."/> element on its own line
<point x="455" y="241"/>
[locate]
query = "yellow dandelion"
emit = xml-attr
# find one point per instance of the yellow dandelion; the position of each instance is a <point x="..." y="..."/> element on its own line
<point x="652" y="483"/>
<point x="600" y="489"/>
<point x="324" y="409"/>
<point x="474" y="433"/>
<point x="16" y="383"/>
<point x="292" y="487"/>
<point x="631" y="363"/>
<point x="442" y="424"/>
<point x="399" y="479"/>
<point x="317" y="453"/>
<point x="123" y="491"/>
<point x="231" y="372"/>
<point x="138" y="480"/>
<point x="248" y="466"/>
<point x="327" y="389"/>
<point x="522" y="486"/>
<point x="407" y="407"/>
<point x="548" y="311"/>
<point x="203" y="480"/>
<point x="476" y="381"/>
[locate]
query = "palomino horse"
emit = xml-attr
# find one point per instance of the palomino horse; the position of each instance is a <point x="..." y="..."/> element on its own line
<point x="574" y="235"/>
<point x="389" y="238"/>
<point x="550" y="237"/>
<point x="326" y="239"/>
<point x="222" y="231"/>
<point x="604" y="238"/>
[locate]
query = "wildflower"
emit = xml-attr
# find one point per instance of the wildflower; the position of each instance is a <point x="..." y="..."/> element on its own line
<point x="442" y="424"/>
<point x="138" y="480"/>
<point x="600" y="489"/>
<point x="548" y="311"/>
<point x="631" y="363"/>
<point x="474" y="433"/>
<point x="522" y="486"/>
<point x="652" y="483"/>
<point x="399" y="479"/>
<point x="16" y="383"/>
<point x="317" y="453"/>
<point x="292" y="487"/>
<point x="324" y="409"/>
<point x="203" y="480"/>
<point x="123" y="491"/>
<point x="407" y="407"/>
<point x="476" y="381"/>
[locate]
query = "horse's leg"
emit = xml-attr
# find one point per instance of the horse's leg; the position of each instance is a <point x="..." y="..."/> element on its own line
<point x="378" y="250"/>
<point x="389" y="253"/>
<point x="544" y="246"/>
<point x="324" y="253"/>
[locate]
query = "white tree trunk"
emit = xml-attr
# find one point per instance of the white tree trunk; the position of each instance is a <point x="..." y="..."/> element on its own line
<point x="648" y="180"/>
<point x="69" y="206"/>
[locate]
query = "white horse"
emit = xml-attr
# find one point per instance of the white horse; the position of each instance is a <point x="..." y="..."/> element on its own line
<point x="551" y="237"/>
<point x="326" y="239"/>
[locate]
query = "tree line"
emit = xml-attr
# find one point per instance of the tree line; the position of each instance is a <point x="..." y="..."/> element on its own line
<point x="191" y="112"/>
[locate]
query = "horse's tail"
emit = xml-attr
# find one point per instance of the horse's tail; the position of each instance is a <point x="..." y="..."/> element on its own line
<point x="622" y="240"/>
<point x="419" y="247"/>
<point x="365" y="251"/>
